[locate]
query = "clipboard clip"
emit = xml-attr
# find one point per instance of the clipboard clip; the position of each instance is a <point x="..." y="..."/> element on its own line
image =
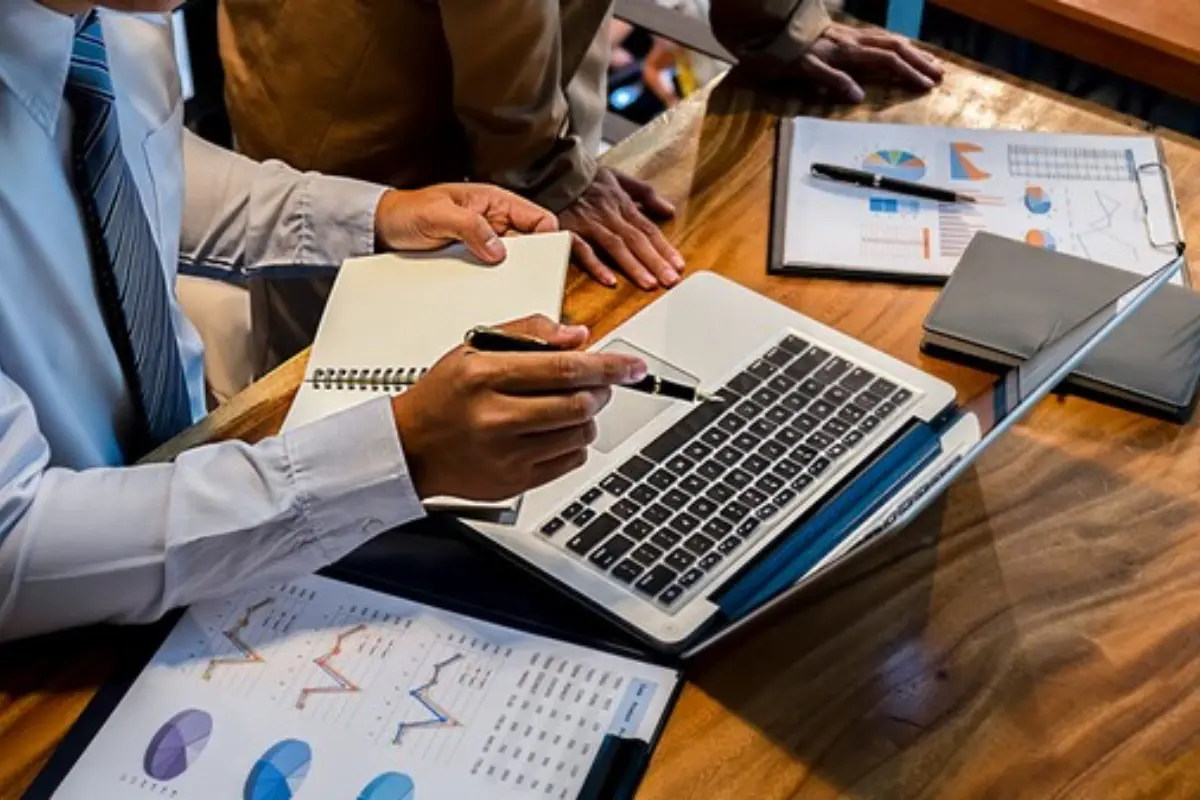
<point x="1174" y="238"/>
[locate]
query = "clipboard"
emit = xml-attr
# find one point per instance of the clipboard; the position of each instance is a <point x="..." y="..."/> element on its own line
<point x="1154" y="188"/>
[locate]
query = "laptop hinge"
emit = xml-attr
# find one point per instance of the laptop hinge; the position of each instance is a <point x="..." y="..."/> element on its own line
<point x="801" y="549"/>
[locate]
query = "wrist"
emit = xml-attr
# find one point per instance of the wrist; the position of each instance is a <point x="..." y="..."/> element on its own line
<point x="408" y="430"/>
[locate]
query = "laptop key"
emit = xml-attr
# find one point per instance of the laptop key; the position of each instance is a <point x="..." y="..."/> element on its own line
<point x="585" y="516"/>
<point x="635" y="468"/>
<point x="852" y="438"/>
<point x="670" y="594"/>
<point x="805" y="423"/>
<point x="766" y="511"/>
<point x="778" y="356"/>
<point x="657" y="514"/>
<point x="699" y="544"/>
<point x="729" y="544"/>
<point x="752" y="497"/>
<point x="835" y="427"/>
<point x="627" y="571"/>
<point x="781" y="383"/>
<point x="643" y="493"/>
<point x="762" y="427"/>
<point x="769" y="483"/>
<point x="802" y="482"/>
<point x="731" y="423"/>
<point x="684" y="523"/>
<point x="786" y="469"/>
<point x="883" y="387"/>
<point x="804" y="455"/>
<point x="788" y="436"/>
<point x="655" y="580"/>
<point x="818" y="467"/>
<point x="734" y="512"/>
<point x="625" y="509"/>
<point x="902" y="396"/>
<point x="587" y="539"/>
<point x="714" y="437"/>
<point x="748" y="526"/>
<point x="710" y="561"/>
<point x="857" y="378"/>
<point x="592" y="495"/>
<point x="778" y="414"/>
<point x="711" y="469"/>
<point x="697" y="450"/>
<point x="836" y="395"/>
<point x="793" y="344"/>
<point x="646" y="555"/>
<point x="833" y="369"/>
<point x="867" y="401"/>
<point x="702" y="508"/>
<point x="748" y="409"/>
<point x="819" y="441"/>
<point x="803" y="366"/>
<point x="835" y="450"/>
<point x="717" y="528"/>
<point x="761" y="369"/>
<point x="796" y="401"/>
<point x="771" y="450"/>
<point x="680" y="465"/>
<point x="719" y="492"/>
<point x="665" y="539"/>
<point x="638" y="529"/>
<point x="729" y="456"/>
<point x="572" y="511"/>
<point x="812" y="386"/>
<point x="851" y="413"/>
<point x="674" y="437"/>
<point x="691" y="577"/>
<point x="884" y="409"/>
<point x="868" y="424"/>
<point x="661" y="479"/>
<point x="746" y="441"/>
<point x="756" y="464"/>
<point x="679" y="560"/>
<point x="783" y="497"/>
<point x="738" y="479"/>
<point x="820" y="409"/>
<point x="611" y="551"/>
<point x="616" y="485"/>
<point x="743" y="383"/>
<point x="764" y="396"/>
<point x="552" y="527"/>
<point x="693" y="484"/>
<point x="675" y="499"/>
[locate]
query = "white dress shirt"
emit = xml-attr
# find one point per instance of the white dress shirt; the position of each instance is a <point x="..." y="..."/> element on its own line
<point x="83" y="538"/>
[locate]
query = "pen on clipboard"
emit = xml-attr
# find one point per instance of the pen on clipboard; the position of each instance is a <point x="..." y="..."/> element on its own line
<point x="870" y="180"/>
<point x="496" y="341"/>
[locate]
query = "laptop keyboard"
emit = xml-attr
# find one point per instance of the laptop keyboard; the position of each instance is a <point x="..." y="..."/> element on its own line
<point x="668" y="521"/>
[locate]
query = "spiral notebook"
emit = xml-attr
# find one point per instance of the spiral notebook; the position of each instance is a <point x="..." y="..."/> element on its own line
<point x="391" y="317"/>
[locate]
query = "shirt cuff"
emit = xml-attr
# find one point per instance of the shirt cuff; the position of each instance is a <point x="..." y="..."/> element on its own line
<point x="341" y="218"/>
<point x="352" y="478"/>
<point x="805" y="27"/>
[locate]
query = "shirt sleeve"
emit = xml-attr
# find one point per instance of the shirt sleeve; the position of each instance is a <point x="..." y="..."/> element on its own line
<point x="241" y="216"/>
<point x="509" y="98"/>
<point x="768" y="36"/>
<point x="127" y="544"/>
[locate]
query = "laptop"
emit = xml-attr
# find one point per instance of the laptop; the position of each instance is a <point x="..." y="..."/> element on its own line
<point x="690" y="521"/>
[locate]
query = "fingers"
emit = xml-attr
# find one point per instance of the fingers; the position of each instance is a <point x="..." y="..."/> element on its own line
<point x="537" y="414"/>
<point x="551" y="470"/>
<point x="503" y="209"/>
<point x="922" y="61"/>
<point x="602" y="234"/>
<point x="639" y="244"/>
<point x="644" y="195"/>
<point x="451" y="221"/>
<point x="549" y="446"/>
<point x="890" y="64"/>
<point x="542" y="327"/>
<point x="539" y="373"/>
<point x="587" y="259"/>
<point x="837" y="83"/>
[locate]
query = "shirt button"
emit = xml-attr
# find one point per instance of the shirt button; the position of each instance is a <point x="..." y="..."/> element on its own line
<point x="372" y="527"/>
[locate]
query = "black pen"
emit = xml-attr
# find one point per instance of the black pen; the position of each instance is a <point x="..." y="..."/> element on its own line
<point x="496" y="341"/>
<point x="870" y="180"/>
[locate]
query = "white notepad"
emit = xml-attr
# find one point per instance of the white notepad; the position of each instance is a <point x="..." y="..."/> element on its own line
<point x="405" y="311"/>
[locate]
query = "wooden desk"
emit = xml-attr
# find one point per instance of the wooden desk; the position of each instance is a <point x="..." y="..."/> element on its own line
<point x="1156" y="42"/>
<point x="1041" y="636"/>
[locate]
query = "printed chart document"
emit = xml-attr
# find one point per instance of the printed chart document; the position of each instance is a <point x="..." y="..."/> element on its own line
<point x="318" y="689"/>
<point x="1103" y="198"/>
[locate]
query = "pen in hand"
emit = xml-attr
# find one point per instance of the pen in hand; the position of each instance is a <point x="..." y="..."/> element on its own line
<point x="496" y="341"/>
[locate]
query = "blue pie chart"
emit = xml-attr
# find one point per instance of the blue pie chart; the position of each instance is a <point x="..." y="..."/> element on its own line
<point x="389" y="786"/>
<point x="279" y="772"/>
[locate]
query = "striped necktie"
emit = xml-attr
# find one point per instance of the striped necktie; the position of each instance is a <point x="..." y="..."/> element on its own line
<point x="130" y="282"/>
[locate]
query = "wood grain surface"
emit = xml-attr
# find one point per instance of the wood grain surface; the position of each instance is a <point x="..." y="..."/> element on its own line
<point x="1037" y="635"/>
<point x="1156" y="42"/>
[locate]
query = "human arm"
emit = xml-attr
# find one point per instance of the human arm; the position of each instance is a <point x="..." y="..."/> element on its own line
<point x="241" y="216"/>
<point x="798" y="39"/>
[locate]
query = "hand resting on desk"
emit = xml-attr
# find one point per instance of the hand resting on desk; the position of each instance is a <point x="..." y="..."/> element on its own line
<point x="487" y="426"/>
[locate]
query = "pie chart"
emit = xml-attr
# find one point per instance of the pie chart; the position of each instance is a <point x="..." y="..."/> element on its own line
<point x="899" y="164"/>
<point x="177" y="744"/>
<point x="1040" y="238"/>
<point x="1036" y="200"/>
<point x="279" y="772"/>
<point x="389" y="786"/>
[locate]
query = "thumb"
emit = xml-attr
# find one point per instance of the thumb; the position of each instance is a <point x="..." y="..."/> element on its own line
<point x="451" y="221"/>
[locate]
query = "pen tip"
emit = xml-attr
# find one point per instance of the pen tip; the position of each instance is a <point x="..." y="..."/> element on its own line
<point x="709" y="398"/>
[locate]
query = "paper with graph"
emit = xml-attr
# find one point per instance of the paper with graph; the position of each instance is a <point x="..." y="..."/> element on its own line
<point x="317" y="689"/>
<point x="1078" y="194"/>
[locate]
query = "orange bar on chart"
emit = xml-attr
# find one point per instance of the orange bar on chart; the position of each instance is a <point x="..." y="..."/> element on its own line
<point x="925" y="237"/>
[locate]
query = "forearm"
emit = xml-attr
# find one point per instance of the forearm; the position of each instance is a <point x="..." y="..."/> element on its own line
<point x="242" y="217"/>
<point x="126" y="545"/>
<point x="768" y="34"/>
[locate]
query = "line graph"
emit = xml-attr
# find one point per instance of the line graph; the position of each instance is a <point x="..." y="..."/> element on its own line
<point x="438" y="716"/>
<point x="1095" y="228"/>
<point x="325" y="661"/>
<point x="248" y="654"/>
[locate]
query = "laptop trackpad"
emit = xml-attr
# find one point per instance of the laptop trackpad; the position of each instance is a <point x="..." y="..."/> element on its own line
<point x="629" y="412"/>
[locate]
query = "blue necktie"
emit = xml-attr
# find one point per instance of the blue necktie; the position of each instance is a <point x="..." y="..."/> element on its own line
<point x="130" y="282"/>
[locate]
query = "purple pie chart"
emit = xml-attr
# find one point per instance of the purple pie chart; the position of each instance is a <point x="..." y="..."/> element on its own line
<point x="177" y="745"/>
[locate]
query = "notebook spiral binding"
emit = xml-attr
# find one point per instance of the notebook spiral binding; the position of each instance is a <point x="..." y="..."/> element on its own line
<point x="391" y="379"/>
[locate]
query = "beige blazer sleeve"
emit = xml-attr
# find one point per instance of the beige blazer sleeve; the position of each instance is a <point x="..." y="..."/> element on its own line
<point x="509" y="78"/>
<point x="768" y="35"/>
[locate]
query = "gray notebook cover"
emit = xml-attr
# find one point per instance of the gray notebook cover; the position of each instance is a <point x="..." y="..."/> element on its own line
<point x="1006" y="298"/>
